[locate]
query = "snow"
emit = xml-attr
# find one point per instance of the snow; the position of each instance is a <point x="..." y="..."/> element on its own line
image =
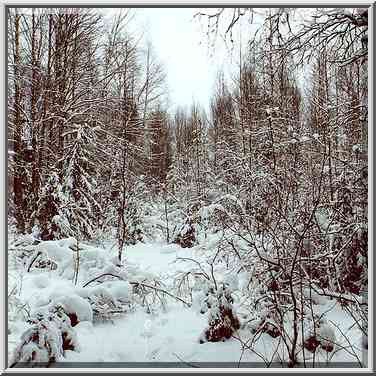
<point x="56" y="252"/>
<point x="357" y="148"/>
<point x="120" y="290"/>
<point x="140" y="338"/>
<point x="41" y="281"/>
<point x="76" y="304"/>
<point x="154" y="258"/>
<point x="168" y="334"/>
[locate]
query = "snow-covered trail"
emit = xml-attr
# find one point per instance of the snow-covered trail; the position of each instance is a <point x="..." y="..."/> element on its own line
<point x="170" y="336"/>
<point x="164" y="335"/>
<point x="154" y="257"/>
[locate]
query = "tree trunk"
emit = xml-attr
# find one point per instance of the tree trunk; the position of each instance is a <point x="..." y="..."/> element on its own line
<point x="34" y="125"/>
<point x="19" y="176"/>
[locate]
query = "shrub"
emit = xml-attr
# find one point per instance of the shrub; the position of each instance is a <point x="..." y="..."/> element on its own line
<point x="47" y="340"/>
<point x="222" y="320"/>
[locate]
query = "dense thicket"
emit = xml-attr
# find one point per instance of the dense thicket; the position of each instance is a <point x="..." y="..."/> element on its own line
<point x="279" y="162"/>
<point x="85" y="110"/>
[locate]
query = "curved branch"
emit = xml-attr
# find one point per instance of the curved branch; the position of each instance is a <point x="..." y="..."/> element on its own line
<point x="138" y="284"/>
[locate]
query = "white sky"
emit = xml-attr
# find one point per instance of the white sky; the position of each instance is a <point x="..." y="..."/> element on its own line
<point x="181" y="47"/>
<point x="180" y="44"/>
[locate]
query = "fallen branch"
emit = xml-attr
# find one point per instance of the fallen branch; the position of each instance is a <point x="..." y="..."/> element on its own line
<point x="160" y="290"/>
<point x="33" y="260"/>
<point x="138" y="284"/>
<point x="100" y="276"/>
<point x="335" y="295"/>
<point x="199" y="265"/>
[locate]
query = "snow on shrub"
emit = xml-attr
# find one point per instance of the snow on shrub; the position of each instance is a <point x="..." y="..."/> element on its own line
<point x="51" y="215"/>
<point x="41" y="281"/>
<point x="261" y="316"/>
<point x="155" y="222"/>
<point x="222" y="320"/>
<point x="39" y="260"/>
<point x="93" y="261"/>
<point x="24" y="244"/>
<point x="17" y="309"/>
<point x="319" y="334"/>
<point x="121" y="290"/>
<point x="23" y="248"/>
<point x="262" y="323"/>
<point x="103" y="303"/>
<point x="51" y="250"/>
<point x="41" y="343"/>
<point x="232" y="281"/>
<point x="77" y="308"/>
<point x="212" y="215"/>
<point x="48" y="338"/>
<point x="186" y="236"/>
<point x="62" y="255"/>
<point x="133" y="230"/>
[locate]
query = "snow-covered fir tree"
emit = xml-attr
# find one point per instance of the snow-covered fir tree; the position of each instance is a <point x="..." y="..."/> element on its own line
<point x="78" y="179"/>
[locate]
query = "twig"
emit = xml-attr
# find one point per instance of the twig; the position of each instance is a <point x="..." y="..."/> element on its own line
<point x="141" y="284"/>
<point x="161" y="290"/>
<point x="337" y="296"/>
<point x="33" y="260"/>
<point x="199" y="265"/>
<point x="100" y="276"/>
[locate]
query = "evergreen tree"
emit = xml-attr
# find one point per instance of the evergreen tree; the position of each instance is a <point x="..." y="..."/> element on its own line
<point x="51" y="215"/>
<point x="79" y="185"/>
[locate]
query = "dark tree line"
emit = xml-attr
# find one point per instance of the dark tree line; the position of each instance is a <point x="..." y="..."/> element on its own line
<point x="85" y="106"/>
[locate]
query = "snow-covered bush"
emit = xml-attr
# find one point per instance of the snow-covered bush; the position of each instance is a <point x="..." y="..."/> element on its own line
<point x="222" y="320"/>
<point x="319" y="334"/>
<point x="76" y="308"/>
<point x="186" y="236"/>
<point x="103" y="304"/>
<point x="22" y="249"/>
<point x="212" y="216"/>
<point x="48" y="338"/>
<point x="120" y="290"/>
<point x="263" y="316"/>
<point x="17" y="309"/>
<point x="40" y="260"/>
<point x="64" y="256"/>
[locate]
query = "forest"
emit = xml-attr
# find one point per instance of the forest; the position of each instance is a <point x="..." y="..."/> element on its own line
<point x="143" y="233"/>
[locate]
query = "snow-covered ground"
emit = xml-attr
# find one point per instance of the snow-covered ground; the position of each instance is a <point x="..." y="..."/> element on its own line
<point x="168" y="334"/>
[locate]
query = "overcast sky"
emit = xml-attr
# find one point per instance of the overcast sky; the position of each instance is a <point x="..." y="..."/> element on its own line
<point x="181" y="46"/>
<point x="180" y="43"/>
